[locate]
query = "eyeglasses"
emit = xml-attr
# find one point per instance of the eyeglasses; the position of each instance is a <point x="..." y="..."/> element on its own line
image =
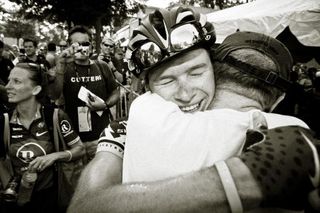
<point x="85" y="43"/>
<point x="107" y="45"/>
<point x="182" y="37"/>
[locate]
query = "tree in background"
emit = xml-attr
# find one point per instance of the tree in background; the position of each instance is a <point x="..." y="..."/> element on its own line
<point x="18" y="28"/>
<point x="93" y="13"/>
<point x="222" y="4"/>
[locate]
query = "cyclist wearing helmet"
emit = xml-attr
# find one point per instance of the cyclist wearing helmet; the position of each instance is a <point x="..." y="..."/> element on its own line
<point x="167" y="62"/>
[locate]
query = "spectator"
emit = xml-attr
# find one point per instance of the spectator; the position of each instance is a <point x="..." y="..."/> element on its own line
<point x="31" y="56"/>
<point x="42" y="49"/>
<point x="183" y="70"/>
<point x="62" y="46"/>
<point x="74" y="70"/>
<point x="107" y="50"/>
<point x="5" y="65"/>
<point x="30" y="133"/>
<point x="15" y="50"/>
<point x="51" y="54"/>
<point x="120" y="65"/>
<point x="108" y="55"/>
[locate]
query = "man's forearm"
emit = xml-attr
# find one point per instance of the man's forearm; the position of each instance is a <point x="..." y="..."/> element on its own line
<point x="200" y="191"/>
<point x="113" y="98"/>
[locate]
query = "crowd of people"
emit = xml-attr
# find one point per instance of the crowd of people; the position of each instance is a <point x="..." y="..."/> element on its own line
<point x="210" y="128"/>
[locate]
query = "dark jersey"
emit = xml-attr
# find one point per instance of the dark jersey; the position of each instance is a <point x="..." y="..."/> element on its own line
<point x="102" y="85"/>
<point x="27" y="144"/>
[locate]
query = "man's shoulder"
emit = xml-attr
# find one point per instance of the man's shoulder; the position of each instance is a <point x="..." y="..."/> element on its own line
<point x="277" y="120"/>
<point x="101" y="63"/>
<point x="112" y="138"/>
<point x="102" y="66"/>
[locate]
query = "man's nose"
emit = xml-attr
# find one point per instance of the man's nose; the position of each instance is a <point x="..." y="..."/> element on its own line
<point x="184" y="93"/>
<point x="8" y="85"/>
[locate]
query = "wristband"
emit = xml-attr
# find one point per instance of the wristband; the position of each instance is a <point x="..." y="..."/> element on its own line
<point x="229" y="187"/>
<point x="70" y="155"/>
<point x="112" y="147"/>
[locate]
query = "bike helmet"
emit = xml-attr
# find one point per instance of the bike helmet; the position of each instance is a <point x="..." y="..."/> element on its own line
<point x="164" y="34"/>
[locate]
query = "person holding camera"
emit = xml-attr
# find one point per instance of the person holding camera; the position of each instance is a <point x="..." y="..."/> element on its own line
<point x="31" y="150"/>
<point x="29" y="53"/>
<point x="75" y="71"/>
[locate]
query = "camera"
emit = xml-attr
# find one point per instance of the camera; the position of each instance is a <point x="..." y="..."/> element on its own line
<point x="81" y="48"/>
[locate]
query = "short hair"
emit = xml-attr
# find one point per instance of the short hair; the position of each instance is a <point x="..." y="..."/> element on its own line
<point x="1" y="44"/>
<point x="52" y="46"/>
<point x="79" y="29"/>
<point x="245" y="84"/>
<point x="34" y="42"/>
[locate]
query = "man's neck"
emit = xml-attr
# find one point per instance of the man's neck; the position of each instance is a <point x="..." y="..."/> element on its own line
<point x="82" y="62"/>
<point x="32" y="57"/>
<point x="225" y="98"/>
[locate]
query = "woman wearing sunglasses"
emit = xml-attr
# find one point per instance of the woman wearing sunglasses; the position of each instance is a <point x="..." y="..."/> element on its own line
<point x="31" y="148"/>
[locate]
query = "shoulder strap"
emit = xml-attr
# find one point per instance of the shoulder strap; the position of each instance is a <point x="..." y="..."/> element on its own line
<point x="6" y="133"/>
<point x="47" y="113"/>
<point x="101" y="69"/>
<point x="7" y="168"/>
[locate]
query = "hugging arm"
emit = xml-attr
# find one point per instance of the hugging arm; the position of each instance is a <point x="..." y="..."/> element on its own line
<point x="100" y="191"/>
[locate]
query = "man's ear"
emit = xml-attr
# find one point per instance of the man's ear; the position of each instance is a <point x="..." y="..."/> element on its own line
<point x="36" y="90"/>
<point x="281" y="97"/>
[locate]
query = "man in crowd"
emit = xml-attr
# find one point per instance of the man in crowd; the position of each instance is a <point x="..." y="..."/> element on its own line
<point x="171" y="78"/>
<point x="51" y="54"/>
<point x="108" y="55"/>
<point x="73" y="76"/>
<point x="31" y="56"/>
<point x="107" y="49"/>
<point x="5" y="65"/>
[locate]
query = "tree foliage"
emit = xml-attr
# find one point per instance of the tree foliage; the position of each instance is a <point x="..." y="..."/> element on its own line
<point x="19" y="29"/>
<point x="222" y="4"/>
<point x="93" y="13"/>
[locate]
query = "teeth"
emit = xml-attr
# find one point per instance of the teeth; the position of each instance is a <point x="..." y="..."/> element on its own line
<point x="190" y="108"/>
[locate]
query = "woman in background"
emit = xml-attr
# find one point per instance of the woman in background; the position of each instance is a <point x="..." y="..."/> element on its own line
<point x="31" y="148"/>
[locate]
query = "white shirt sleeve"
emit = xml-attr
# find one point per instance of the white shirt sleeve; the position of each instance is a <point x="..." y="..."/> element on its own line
<point x="163" y="141"/>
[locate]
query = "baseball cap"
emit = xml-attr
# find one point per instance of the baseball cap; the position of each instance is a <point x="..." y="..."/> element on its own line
<point x="267" y="45"/>
<point x="108" y="41"/>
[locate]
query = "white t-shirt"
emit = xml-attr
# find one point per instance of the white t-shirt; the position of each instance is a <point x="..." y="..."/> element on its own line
<point x="162" y="141"/>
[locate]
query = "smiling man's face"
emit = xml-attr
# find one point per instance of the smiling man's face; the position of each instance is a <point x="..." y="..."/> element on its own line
<point x="187" y="80"/>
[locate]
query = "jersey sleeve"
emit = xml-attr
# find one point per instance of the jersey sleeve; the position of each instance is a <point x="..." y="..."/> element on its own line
<point x="112" y="138"/>
<point x="67" y="130"/>
<point x="285" y="163"/>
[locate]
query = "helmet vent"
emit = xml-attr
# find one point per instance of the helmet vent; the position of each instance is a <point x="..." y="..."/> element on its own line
<point x="157" y="20"/>
<point x="185" y="16"/>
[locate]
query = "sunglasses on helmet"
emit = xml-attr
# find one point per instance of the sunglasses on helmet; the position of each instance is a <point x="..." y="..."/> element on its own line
<point x="181" y="37"/>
